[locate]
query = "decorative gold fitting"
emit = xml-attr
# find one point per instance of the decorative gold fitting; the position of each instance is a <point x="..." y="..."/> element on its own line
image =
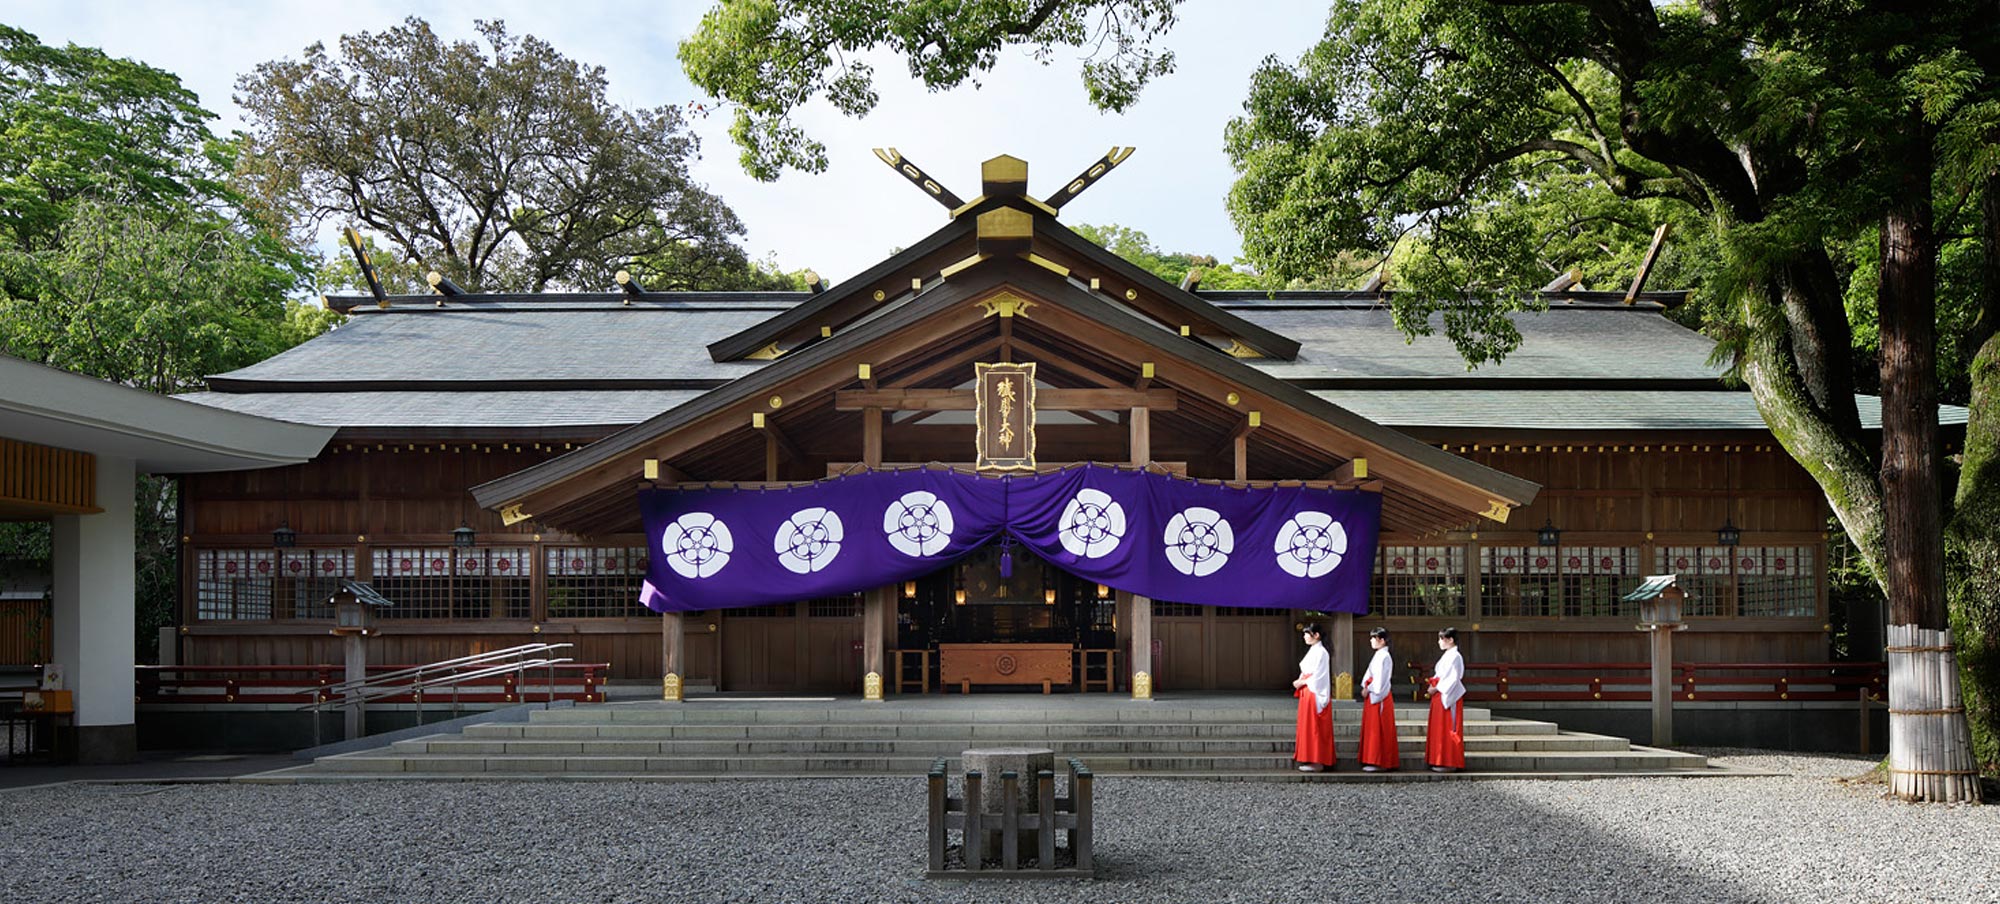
<point x="1131" y="294"/>
<point x="871" y="686"/>
<point x="1142" y="686"/>
<point x="767" y="353"/>
<point x="652" y="467"/>
<point x="1343" y="686"/>
<point x="670" y="688"/>
<point x="511" y="515"/>
<point x="1233" y="399"/>
<point x="879" y="295"/>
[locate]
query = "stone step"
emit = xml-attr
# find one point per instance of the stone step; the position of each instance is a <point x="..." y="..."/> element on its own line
<point x="934" y="711"/>
<point x="962" y="731"/>
<point x="1635" y="759"/>
<point x="1082" y="747"/>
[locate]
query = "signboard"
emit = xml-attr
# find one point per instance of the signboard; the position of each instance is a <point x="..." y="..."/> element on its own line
<point x="1005" y="414"/>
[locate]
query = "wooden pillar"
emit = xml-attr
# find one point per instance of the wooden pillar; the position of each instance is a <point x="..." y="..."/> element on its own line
<point x="1142" y="647"/>
<point x="1142" y="436"/>
<point x="1340" y="635"/>
<point x="1663" y="685"/>
<point x="770" y="456"/>
<point x="673" y="657"/>
<point x="1242" y="444"/>
<point x="871" y="437"/>
<point x="874" y="620"/>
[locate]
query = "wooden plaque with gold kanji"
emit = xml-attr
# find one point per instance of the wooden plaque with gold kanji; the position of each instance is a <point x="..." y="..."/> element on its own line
<point x="1005" y="414"/>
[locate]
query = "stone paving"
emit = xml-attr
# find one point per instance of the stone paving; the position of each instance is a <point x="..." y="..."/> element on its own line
<point x="1805" y="833"/>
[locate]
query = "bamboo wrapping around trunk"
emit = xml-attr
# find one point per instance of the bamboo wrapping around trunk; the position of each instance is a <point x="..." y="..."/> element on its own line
<point x="1930" y="746"/>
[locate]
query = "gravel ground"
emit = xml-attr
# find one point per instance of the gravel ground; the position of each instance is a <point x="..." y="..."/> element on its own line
<point x="1805" y="835"/>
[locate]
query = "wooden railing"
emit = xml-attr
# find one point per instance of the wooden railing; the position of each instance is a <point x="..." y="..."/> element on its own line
<point x="1516" y="682"/>
<point x="582" y="682"/>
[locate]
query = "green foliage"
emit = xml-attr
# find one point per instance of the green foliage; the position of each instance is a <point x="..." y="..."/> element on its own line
<point x="1134" y="246"/>
<point x="504" y="166"/>
<point x="768" y="58"/>
<point x="124" y="255"/>
<point x="75" y="123"/>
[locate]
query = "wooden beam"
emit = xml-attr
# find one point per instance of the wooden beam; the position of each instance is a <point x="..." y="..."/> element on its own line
<point x="1145" y="377"/>
<point x="918" y="177"/>
<point x="1569" y="278"/>
<point x="771" y="455"/>
<point x="1353" y="469"/>
<point x="1242" y="444"/>
<point x="775" y="438"/>
<point x="1045" y="399"/>
<point x="1646" y="266"/>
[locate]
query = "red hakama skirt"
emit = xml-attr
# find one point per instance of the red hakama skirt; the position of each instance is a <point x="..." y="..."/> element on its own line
<point x="1378" y="734"/>
<point x="1315" y="742"/>
<point x="1445" y="744"/>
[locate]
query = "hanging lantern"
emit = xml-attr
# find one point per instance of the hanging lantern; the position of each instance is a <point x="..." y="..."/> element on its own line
<point x="464" y="536"/>
<point x="1728" y="534"/>
<point x="284" y="537"/>
<point x="1549" y="535"/>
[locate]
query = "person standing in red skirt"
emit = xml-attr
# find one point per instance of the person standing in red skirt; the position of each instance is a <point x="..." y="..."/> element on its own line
<point x="1378" y="708"/>
<point x="1314" y="688"/>
<point x="1444" y="748"/>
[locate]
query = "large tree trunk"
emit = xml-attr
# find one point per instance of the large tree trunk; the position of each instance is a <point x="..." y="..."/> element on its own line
<point x="1930" y="757"/>
<point x="1838" y="460"/>
<point x="1973" y="537"/>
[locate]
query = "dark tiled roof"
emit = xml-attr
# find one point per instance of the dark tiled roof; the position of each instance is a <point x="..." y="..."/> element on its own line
<point x="454" y="408"/>
<point x="481" y="344"/>
<point x="1577" y="409"/>
<point x="1361" y="342"/>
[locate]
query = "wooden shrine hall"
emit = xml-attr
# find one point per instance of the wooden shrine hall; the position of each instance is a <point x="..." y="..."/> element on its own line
<point x="491" y="449"/>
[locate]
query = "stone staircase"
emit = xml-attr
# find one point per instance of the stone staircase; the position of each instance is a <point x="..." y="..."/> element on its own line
<point x="1213" y="737"/>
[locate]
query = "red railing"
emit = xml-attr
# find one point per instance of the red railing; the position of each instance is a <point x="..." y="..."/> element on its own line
<point x="252" y="684"/>
<point x="1517" y="682"/>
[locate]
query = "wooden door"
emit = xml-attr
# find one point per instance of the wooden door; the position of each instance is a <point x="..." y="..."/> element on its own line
<point x="759" y="646"/>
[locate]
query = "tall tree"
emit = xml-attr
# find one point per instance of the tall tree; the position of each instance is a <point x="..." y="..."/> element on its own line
<point x="123" y="255"/>
<point x="1778" y="133"/>
<point x="503" y="167"/>
<point x="768" y="58"/>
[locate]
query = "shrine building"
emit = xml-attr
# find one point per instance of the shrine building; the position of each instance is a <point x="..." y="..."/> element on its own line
<point x="494" y="453"/>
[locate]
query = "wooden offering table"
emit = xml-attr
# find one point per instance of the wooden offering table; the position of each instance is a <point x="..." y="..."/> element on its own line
<point x="967" y="664"/>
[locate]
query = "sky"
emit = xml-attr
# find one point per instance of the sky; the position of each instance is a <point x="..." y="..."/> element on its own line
<point x="858" y="211"/>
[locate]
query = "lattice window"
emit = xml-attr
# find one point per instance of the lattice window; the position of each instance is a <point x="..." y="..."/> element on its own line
<point x="1163" y="609"/>
<point x="1103" y="615"/>
<point x="595" y="582"/>
<point x="443" y="582"/>
<point x="847" y="606"/>
<point x="234" y="583"/>
<point x="307" y="580"/>
<point x="1519" y="581"/>
<point x="1776" y="582"/>
<point x="1704" y="572"/>
<point x="778" y="610"/>
<point x="1594" y="577"/>
<point x="1420" y="580"/>
<point x="1247" y="612"/>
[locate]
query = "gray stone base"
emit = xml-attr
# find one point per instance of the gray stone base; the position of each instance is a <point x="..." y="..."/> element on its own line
<point x="96" y="744"/>
<point x="1809" y="727"/>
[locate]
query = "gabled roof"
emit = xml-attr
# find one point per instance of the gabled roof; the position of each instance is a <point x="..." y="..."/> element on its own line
<point x="911" y="263"/>
<point x="608" y="465"/>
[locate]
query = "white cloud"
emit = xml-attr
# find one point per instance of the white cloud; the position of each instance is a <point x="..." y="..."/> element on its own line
<point x="847" y="218"/>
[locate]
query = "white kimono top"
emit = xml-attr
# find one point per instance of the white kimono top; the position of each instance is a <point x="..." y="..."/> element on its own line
<point x="1316" y="667"/>
<point x="1450" y="674"/>
<point x="1381" y="671"/>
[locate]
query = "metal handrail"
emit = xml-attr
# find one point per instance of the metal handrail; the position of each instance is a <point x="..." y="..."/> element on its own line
<point x="474" y="659"/>
<point x="359" y="692"/>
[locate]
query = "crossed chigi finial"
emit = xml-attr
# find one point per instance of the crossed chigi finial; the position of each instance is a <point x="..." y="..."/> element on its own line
<point x="1002" y="176"/>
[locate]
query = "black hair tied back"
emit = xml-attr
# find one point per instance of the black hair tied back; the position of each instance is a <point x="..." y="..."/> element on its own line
<point x="1450" y="634"/>
<point x="1380" y="632"/>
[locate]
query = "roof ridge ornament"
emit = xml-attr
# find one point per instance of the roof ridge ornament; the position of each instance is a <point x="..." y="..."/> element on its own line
<point x="919" y="178"/>
<point x="1088" y="177"/>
